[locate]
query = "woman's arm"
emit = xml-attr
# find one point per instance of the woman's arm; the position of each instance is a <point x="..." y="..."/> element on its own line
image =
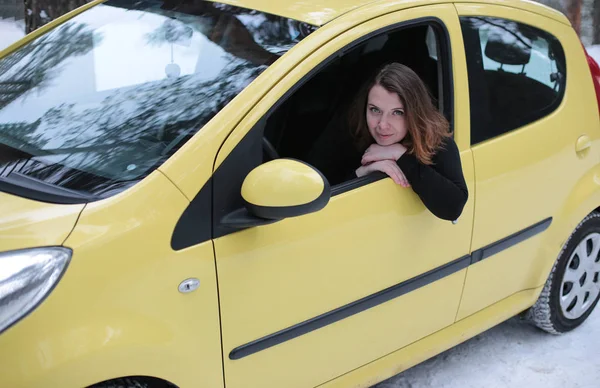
<point x="441" y="186"/>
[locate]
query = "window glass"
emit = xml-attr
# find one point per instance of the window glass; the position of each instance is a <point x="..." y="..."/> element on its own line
<point x="432" y="43"/>
<point x="517" y="74"/>
<point x="99" y="102"/>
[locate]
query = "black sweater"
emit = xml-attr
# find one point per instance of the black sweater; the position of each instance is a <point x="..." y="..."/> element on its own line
<point x="441" y="186"/>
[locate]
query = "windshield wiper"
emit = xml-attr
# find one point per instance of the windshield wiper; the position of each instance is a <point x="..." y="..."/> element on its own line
<point x="29" y="187"/>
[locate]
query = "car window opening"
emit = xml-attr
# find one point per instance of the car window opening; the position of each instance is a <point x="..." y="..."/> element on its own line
<point x="301" y="127"/>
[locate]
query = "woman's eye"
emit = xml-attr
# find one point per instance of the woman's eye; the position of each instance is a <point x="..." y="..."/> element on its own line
<point x="399" y="113"/>
<point x="374" y="110"/>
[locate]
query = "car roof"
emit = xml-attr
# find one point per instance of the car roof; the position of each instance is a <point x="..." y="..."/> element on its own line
<point x="320" y="12"/>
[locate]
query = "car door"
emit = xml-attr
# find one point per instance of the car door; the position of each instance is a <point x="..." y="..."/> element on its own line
<point x="306" y="299"/>
<point x="526" y="129"/>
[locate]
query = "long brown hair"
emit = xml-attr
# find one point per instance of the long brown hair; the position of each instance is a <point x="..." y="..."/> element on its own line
<point x="427" y="127"/>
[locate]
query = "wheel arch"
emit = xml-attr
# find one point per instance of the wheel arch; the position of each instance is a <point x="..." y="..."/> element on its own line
<point x="145" y="381"/>
<point x="583" y="199"/>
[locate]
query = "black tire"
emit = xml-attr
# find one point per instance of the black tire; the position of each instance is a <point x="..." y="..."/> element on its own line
<point x="546" y="313"/>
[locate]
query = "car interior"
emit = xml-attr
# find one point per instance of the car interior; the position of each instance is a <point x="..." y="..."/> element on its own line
<point x="504" y="83"/>
<point x="299" y="125"/>
<point x="515" y="90"/>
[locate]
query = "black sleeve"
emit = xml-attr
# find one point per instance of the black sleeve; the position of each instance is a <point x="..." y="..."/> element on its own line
<point x="441" y="186"/>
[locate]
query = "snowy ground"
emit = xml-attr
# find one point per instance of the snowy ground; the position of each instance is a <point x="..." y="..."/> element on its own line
<point x="513" y="354"/>
<point x="594" y="51"/>
<point x="10" y="31"/>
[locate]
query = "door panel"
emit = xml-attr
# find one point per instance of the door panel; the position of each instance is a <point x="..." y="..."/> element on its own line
<point x="276" y="276"/>
<point x="307" y="299"/>
<point x="524" y="177"/>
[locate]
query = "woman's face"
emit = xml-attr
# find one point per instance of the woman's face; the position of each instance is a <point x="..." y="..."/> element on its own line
<point x="386" y="117"/>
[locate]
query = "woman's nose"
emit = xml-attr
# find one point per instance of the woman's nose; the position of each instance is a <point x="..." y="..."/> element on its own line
<point x="383" y="122"/>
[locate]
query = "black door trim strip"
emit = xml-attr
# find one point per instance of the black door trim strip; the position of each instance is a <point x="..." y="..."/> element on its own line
<point x="507" y="242"/>
<point x="387" y="294"/>
<point x="350" y="309"/>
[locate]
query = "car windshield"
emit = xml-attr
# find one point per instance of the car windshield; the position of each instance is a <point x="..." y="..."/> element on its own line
<point x="96" y="104"/>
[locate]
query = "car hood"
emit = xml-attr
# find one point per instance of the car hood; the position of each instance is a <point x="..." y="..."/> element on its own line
<point x="26" y="224"/>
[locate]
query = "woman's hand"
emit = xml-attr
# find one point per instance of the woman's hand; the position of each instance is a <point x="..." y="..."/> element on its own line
<point x="376" y="152"/>
<point x="388" y="167"/>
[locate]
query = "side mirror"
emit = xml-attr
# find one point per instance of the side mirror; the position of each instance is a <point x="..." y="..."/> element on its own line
<point x="285" y="188"/>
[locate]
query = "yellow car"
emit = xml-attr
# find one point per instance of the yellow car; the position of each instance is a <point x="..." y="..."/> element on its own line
<point x="161" y="223"/>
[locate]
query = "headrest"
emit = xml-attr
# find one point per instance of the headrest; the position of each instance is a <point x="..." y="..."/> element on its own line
<point x="508" y="49"/>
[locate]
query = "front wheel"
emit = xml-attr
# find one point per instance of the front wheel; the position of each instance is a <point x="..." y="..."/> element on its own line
<point x="573" y="287"/>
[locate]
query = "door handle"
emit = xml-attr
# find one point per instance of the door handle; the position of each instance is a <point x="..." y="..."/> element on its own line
<point x="583" y="143"/>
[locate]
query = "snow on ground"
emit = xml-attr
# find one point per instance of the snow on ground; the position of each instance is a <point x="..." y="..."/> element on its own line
<point x="513" y="354"/>
<point x="594" y="52"/>
<point x="10" y="31"/>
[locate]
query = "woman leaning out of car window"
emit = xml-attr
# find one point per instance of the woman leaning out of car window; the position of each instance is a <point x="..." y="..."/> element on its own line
<point x="395" y="129"/>
<point x="400" y="133"/>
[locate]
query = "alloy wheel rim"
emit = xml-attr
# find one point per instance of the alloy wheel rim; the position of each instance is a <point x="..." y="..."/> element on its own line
<point x="581" y="281"/>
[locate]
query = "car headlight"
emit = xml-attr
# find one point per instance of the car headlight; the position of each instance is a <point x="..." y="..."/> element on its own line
<point x="26" y="277"/>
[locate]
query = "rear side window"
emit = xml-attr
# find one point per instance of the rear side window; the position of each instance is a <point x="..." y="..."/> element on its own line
<point x="517" y="75"/>
<point x="96" y="104"/>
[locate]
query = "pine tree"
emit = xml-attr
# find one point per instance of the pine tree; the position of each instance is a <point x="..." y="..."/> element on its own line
<point x="573" y="8"/>
<point x="596" y="22"/>
<point x="40" y="12"/>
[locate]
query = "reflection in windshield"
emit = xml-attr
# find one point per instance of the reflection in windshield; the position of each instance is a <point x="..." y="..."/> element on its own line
<point x="97" y="103"/>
